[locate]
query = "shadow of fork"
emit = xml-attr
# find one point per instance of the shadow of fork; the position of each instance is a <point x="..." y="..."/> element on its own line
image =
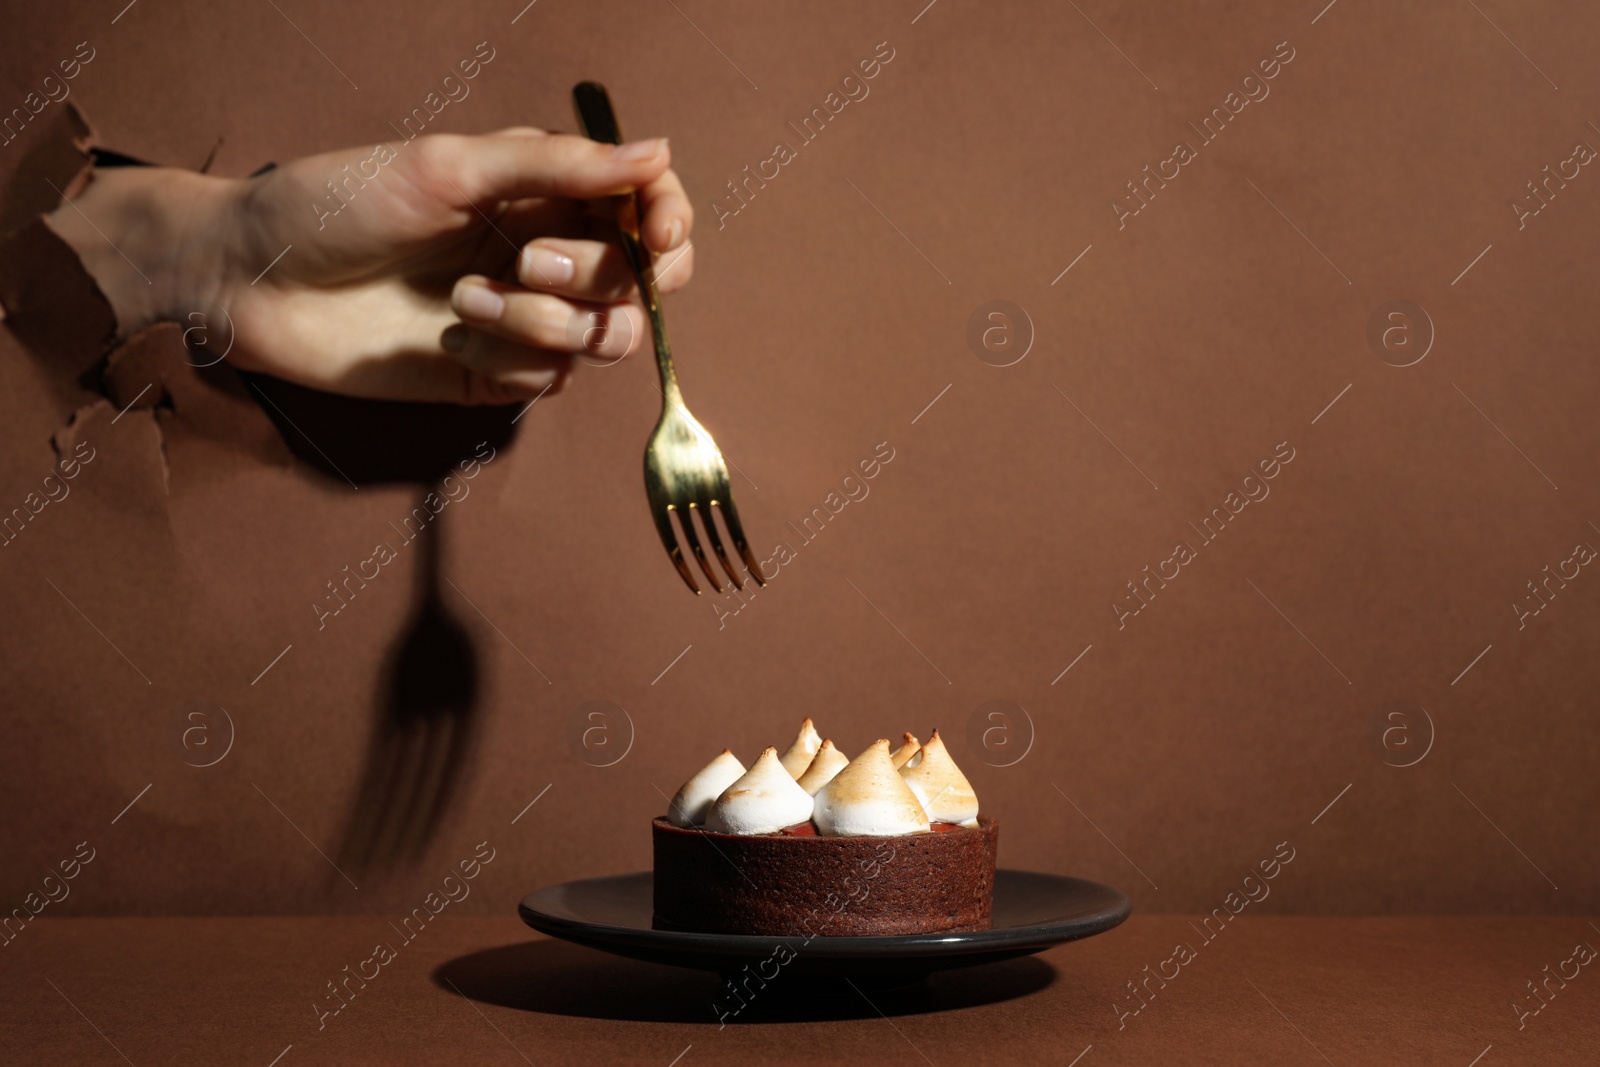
<point x="423" y="736"/>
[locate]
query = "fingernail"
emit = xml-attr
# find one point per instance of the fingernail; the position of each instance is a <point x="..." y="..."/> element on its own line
<point x="674" y="233"/>
<point x="535" y="381"/>
<point x="478" y="302"/>
<point x="546" y="266"/>
<point x="635" y="151"/>
<point x="619" y="334"/>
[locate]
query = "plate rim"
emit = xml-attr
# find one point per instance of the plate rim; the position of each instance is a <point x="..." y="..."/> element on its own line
<point x="974" y="942"/>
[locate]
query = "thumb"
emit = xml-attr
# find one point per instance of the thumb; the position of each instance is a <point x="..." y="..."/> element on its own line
<point x="508" y="166"/>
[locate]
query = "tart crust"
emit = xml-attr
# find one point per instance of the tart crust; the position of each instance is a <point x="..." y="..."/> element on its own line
<point x="798" y="884"/>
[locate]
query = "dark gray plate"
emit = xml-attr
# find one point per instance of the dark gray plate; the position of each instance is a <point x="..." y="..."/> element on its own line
<point x="1032" y="911"/>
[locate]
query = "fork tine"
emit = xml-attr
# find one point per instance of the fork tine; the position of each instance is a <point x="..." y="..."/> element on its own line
<point x="686" y="518"/>
<point x="669" y="538"/>
<point x="730" y="515"/>
<point x="716" y="542"/>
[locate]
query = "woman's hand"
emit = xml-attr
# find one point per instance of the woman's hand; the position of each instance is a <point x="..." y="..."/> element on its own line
<point x="448" y="268"/>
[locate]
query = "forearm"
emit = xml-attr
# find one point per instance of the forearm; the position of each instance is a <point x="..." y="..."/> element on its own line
<point x="153" y="238"/>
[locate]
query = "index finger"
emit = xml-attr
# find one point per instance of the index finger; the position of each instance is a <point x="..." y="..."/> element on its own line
<point x="510" y="166"/>
<point x="668" y="217"/>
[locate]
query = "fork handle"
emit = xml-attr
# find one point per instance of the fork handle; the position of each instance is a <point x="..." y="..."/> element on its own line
<point x="599" y="123"/>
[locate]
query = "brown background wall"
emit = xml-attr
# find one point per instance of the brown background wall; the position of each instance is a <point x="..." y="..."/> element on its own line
<point x="990" y="550"/>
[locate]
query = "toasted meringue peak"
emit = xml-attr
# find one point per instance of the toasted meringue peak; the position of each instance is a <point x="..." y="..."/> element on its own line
<point x="907" y="750"/>
<point x="828" y="762"/>
<point x="763" y="801"/>
<point x="945" y="793"/>
<point x="694" y="800"/>
<point x="803" y="751"/>
<point x="869" y="799"/>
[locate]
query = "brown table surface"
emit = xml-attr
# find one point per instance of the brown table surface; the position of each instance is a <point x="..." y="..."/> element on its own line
<point x="1266" y="990"/>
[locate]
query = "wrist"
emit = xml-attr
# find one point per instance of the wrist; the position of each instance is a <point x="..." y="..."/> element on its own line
<point x="152" y="238"/>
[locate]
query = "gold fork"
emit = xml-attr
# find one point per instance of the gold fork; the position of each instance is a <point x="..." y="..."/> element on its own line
<point x="683" y="469"/>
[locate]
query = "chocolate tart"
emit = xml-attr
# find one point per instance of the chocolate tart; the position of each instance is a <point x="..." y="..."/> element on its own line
<point x="795" y="883"/>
